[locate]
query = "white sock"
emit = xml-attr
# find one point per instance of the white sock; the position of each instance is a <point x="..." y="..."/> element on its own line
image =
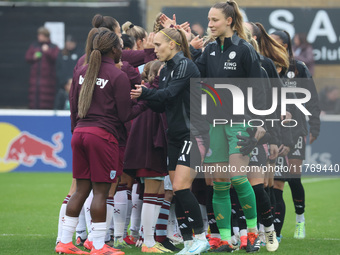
<point x="215" y="235"/>
<point x="128" y="213"/>
<point x="201" y="236"/>
<point x="187" y="243"/>
<point x="261" y="228"/>
<point x="89" y="236"/>
<point x="234" y="239"/>
<point x="300" y="218"/>
<point x="81" y="227"/>
<point x="236" y="231"/>
<point x="109" y="219"/>
<point x="270" y="228"/>
<point x="98" y="234"/>
<point x="148" y="219"/>
<point x="88" y="218"/>
<point x="111" y="226"/>
<point x="243" y="232"/>
<point x="119" y="213"/>
<point x="172" y="225"/>
<point x="69" y="227"/>
<point x="205" y="218"/>
<point x="111" y="229"/>
<point x="136" y="212"/>
<point x="62" y="213"/>
<point x="252" y="230"/>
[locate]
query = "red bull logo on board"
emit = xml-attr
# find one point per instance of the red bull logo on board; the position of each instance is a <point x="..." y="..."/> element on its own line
<point x="23" y="148"/>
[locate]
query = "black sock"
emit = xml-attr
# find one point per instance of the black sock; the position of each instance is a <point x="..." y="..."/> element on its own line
<point x="280" y="211"/>
<point x="183" y="223"/>
<point x="210" y="210"/>
<point x="298" y="194"/>
<point x="263" y="205"/>
<point x="191" y="209"/>
<point x="241" y="219"/>
<point x="234" y="219"/>
<point x="268" y="191"/>
<point x="272" y="200"/>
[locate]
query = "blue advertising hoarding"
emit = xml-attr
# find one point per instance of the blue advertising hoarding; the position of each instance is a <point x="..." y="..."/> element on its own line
<point x="38" y="141"/>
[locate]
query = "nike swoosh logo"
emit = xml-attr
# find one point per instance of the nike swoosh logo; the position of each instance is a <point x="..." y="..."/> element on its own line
<point x="194" y="250"/>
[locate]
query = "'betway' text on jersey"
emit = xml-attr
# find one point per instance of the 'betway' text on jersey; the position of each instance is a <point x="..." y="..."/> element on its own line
<point x="100" y="82"/>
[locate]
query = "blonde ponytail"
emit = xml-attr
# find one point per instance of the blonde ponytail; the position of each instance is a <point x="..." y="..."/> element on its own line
<point x="177" y="36"/>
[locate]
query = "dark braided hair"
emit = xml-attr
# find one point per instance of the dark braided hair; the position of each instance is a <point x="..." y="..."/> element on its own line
<point x="103" y="43"/>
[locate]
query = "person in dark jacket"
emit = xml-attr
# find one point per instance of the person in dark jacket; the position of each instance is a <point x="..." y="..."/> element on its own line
<point x="299" y="76"/>
<point x="42" y="56"/>
<point x="230" y="56"/>
<point x="187" y="131"/>
<point x="259" y="158"/>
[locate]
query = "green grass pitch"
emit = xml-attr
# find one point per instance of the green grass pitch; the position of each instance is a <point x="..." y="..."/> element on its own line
<point x="30" y="203"/>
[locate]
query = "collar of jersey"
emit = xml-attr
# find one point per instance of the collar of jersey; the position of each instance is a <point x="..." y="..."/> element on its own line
<point x="175" y="60"/>
<point x="108" y="60"/>
<point x="229" y="41"/>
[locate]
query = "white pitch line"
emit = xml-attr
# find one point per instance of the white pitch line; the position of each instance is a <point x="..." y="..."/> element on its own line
<point x="316" y="239"/>
<point x="22" y="235"/>
<point x="318" y="180"/>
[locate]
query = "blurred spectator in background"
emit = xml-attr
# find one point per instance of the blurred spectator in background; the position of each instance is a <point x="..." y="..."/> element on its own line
<point x="197" y="29"/>
<point x="42" y="56"/>
<point x="329" y="99"/>
<point x="62" y="99"/>
<point x="303" y="51"/>
<point x="66" y="61"/>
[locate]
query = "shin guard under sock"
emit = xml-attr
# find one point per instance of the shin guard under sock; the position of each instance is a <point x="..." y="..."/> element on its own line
<point x="222" y="209"/>
<point x="298" y="194"/>
<point x="183" y="223"/>
<point x="191" y="209"/>
<point x="263" y="205"/>
<point x="247" y="199"/>
<point x="280" y="211"/>
<point x="210" y="210"/>
<point x="241" y="220"/>
<point x="272" y="200"/>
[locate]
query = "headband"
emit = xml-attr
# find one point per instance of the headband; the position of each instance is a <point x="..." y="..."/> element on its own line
<point x="169" y="38"/>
